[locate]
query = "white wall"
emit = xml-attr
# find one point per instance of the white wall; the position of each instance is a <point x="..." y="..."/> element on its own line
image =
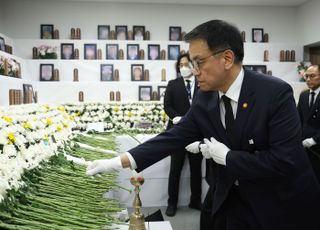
<point x="2" y="30"/>
<point x="308" y="18"/>
<point x="27" y="15"/>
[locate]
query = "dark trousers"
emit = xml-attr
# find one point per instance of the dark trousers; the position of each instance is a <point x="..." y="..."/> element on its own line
<point x="177" y="161"/>
<point x="314" y="158"/>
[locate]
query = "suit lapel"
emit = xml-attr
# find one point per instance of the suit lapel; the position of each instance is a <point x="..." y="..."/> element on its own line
<point x="315" y="104"/>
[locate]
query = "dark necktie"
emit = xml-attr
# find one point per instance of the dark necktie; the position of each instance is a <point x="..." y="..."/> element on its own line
<point x="229" y="119"/>
<point x="312" y="99"/>
<point x="189" y="89"/>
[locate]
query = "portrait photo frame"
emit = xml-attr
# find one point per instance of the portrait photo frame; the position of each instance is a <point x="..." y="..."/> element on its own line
<point x="175" y="33"/>
<point x="133" y="51"/>
<point x="137" y="72"/>
<point x="26" y="88"/>
<point x="103" y="32"/>
<point x="2" y="44"/>
<point x="145" y="93"/>
<point x="121" y="32"/>
<point x="153" y="52"/>
<point x="106" y="72"/>
<point x="67" y="51"/>
<point x="138" y="33"/>
<point x="257" y="68"/>
<point x="161" y="92"/>
<point x="90" y="51"/>
<point x="173" y="52"/>
<point x="46" y="31"/>
<point x="257" y="35"/>
<point x="46" y="72"/>
<point x="112" y="51"/>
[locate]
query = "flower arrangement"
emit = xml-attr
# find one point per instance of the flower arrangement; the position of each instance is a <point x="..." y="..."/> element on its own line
<point x="13" y="67"/>
<point x="1" y="65"/>
<point x="301" y="68"/>
<point x="47" y="52"/>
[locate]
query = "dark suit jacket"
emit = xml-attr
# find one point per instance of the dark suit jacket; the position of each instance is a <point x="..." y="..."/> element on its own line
<point x="274" y="173"/>
<point x="176" y="101"/>
<point x="310" y="119"/>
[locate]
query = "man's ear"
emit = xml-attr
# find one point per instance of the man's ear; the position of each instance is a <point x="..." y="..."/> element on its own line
<point x="229" y="59"/>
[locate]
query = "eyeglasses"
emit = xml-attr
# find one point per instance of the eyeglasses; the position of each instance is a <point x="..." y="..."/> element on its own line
<point x="310" y="76"/>
<point x="197" y="63"/>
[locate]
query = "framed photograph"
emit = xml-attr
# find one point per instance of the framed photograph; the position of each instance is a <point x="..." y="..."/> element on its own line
<point x="121" y="32"/>
<point x="145" y="93"/>
<point x="103" y="32"/>
<point x="133" y="51"/>
<point x="28" y="88"/>
<point x="173" y="52"/>
<point x="257" y="68"/>
<point x="137" y="72"/>
<point x="46" y="72"/>
<point x="153" y="52"/>
<point x="175" y="33"/>
<point x="257" y="35"/>
<point x="161" y="92"/>
<point x="67" y="51"/>
<point x="106" y="72"/>
<point x="90" y="51"/>
<point x="112" y="51"/>
<point x="46" y="31"/>
<point x="2" y="44"/>
<point x="138" y="33"/>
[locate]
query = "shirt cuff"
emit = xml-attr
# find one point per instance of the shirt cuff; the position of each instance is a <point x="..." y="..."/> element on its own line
<point x="133" y="164"/>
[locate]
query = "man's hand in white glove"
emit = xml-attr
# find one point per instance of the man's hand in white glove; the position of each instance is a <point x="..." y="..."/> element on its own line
<point x="175" y="120"/>
<point x="205" y="151"/>
<point x="193" y="147"/>
<point x="104" y="166"/>
<point x="309" y="142"/>
<point x="218" y="151"/>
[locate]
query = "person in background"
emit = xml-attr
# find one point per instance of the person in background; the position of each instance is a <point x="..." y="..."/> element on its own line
<point x="309" y="111"/>
<point x="177" y="101"/>
<point x="260" y="175"/>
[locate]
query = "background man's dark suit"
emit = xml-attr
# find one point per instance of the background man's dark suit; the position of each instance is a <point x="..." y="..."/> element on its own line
<point x="310" y="120"/>
<point x="267" y="157"/>
<point x="176" y="103"/>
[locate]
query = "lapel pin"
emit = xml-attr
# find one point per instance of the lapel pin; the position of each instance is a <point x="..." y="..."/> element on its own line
<point x="245" y="105"/>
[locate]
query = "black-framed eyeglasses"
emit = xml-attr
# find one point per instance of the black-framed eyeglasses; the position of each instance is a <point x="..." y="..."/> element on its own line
<point x="310" y="76"/>
<point x="197" y="63"/>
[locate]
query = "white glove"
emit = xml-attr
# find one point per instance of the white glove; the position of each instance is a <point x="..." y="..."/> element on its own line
<point x="104" y="166"/>
<point x="175" y="120"/>
<point x="309" y="142"/>
<point x="193" y="147"/>
<point x="205" y="151"/>
<point x="218" y="151"/>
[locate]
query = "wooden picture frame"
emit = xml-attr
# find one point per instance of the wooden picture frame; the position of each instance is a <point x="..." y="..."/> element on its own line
<point x="67" y="51"/>
<point x="257" y="35"/>
<point x="106" y="72"/>
<point x="103" y="32"/>
<point x="112" y="51"/>
<point x="137" y="72"/>
<point x="46" y="72"/>
<point x="46" y="31"/>
<point x="153" y="52"/>
<point x="133" y="52"/>
<point x="121" y="32"/>
<point x="173" y="52"/>
<point x="175" y="33"/>
<point x="2" y="44"/>
<point x="138" y="33"/>
<point x="145" y="93"/>
<point x="26" y="88"/>
<point x="161" y="92"/>
<point x="257" y="68"/>
<point x="90" y="51"/>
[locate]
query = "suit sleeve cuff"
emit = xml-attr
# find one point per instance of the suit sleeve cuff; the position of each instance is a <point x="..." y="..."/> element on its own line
<point x="132" y="161"/>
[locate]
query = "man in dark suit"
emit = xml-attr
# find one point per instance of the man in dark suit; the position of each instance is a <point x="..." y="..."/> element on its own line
<point x="309" y="111"/>
<point x="261" y="178"/>
<point x="177" y="100"/>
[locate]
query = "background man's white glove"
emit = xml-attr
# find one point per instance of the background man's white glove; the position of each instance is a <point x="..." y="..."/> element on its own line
<point x="193" y="147"/>
<point x="104" y="166"/>
<point x="309" y="142"/>
<point x="218" y="151"/>
<point x="175" y="120"/>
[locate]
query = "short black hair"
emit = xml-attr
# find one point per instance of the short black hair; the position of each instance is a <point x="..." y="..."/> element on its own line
<point x="179" y="60"/>
<point x="219" y="35"/>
